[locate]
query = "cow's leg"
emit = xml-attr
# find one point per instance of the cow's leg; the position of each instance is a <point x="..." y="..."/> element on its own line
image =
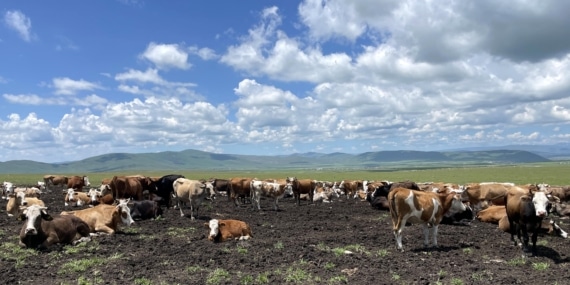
<point x="398" y="227"/>
<point x="513" y="230"/>
<point x="426" y="231"/>
<point x="180" y="207"/>
<point x="525" y="237"/>
<point x="276" y="206"/>
<point x="534" y="238"/>
<point x="434" y="229"/>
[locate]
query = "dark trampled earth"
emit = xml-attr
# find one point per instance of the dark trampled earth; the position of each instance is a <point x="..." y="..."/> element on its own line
<point x="344" y="242"/>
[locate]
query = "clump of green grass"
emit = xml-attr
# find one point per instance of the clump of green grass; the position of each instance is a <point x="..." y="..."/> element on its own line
<point x="467" y="250"/>
<point x="262" y="278"/>
<point x="338" y="279"/>
<point x="246" y="280"/>
<point x="517" y="261"/>
<point x="179" y="232"/>
<point x="278" y="245"/>
<point x="13" y="251"/>
<point x="194" y="269"/>
<point x="540" y="265"/>
<point x="297" y="275"/>
<point x="456" y="281"/>
<point x="143" y="281"/>
<point x="81" y="265"/>
<point x="90" y="281"/>
<point x="382" y="252"/>
<point x="329" y="265"/>
<point x="218" y="276"/>
<point x="241" y="250"/>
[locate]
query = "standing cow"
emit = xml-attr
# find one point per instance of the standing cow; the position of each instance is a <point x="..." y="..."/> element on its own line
<point x="268" y="189"/>
<point x="303" y="186"/>
<point x="192" y="192"/>
<point x="164" y="188"/>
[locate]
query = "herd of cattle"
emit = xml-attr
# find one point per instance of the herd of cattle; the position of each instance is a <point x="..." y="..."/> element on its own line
<point x="518" y="209"/>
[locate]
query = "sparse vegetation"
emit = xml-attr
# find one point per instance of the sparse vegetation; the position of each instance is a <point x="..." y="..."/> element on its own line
<point x="218" y="276"/>
<point x="278" y="245"/>
<point x="517" y="261"/>
<point x="540" y="265"/>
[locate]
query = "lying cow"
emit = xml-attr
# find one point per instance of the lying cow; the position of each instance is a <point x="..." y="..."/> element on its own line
<point x="145" y="210"/>
<point x="105" y="218"/>
<point x="29" y="191"/>
<point x="42" y="230"/>
<point x="17" y="202"/>
<point x="421" y="207"/>
<point x="222" y="230"/>
<point x="7" y="189"/>
<point x="76" y="198"/>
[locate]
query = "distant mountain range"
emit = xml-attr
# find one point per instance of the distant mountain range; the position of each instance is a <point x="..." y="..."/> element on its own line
<point x="382" y="160"/>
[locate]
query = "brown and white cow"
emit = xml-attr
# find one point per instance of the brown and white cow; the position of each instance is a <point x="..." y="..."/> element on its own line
<point x="78" y="182"/>
<point x="29" y="191"/>
<point x="421" y="207"/>
<point x="222" y="230"/>
<point x="525" y="212"/>
<point x="17" y="202"/>
<point x="302" y="186"/>
<point x="105" y="218"/>
<point x="76" y="198"/>
<point x="271" y="190"/>
<point x="41" y="230"/>
<point x="192" y="192"/>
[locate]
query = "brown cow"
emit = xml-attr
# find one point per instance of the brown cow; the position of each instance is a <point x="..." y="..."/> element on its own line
<point x="42" y="230"/>
<point x="78" y="182"/>
<point x="303" y="186"/>
<point x="421" y="207"/>
<point x="480" y="195"/>
<point x="240" y="188"/>
<point x="131" y="186"/>
<point x="222" y="230"/>
<point x="55" y="180"/>
<point x="105" y="218"/>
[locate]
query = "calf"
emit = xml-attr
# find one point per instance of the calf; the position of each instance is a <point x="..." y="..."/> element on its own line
<point x="525" y="212"/>
<point x="222" y="230"/>
<point x="105" y="218"/>
<point x="420" y="207"/>
<point x="18" y="202"/>
<point x="146" y="209"/>
<point x="42" y="230"/>
<point x="76" y="198"/>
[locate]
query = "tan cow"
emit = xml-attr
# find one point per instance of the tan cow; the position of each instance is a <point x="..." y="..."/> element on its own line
<point x="421" y="207"/>
<point x="192" y="192"/>
<point x="29" y="191"/>
<point x="18" y="202"/>
<point x="492" y="214"/>
<point x="481" y="195"/>
<point x="105" y="218"/>
<point x="222" y="230"/>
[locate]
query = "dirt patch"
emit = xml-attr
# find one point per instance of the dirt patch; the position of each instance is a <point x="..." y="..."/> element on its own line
<point x="344" y="242"/>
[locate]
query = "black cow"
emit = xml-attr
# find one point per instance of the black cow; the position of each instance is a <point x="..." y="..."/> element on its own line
<point x="222" y="185"/>
<point x="164" y="188"/>
<point x="145" y="209"/>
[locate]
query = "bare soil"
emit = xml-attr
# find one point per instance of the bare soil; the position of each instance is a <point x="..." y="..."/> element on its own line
<point x="344" y="242"/>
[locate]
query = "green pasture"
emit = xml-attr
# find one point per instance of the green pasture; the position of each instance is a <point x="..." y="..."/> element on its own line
<point x="554" y="173"/>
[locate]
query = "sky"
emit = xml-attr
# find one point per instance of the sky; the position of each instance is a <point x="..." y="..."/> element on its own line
<point x="84" y="78"/>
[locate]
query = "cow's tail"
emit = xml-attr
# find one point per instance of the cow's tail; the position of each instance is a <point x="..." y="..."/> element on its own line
<point x="392" y="207"/>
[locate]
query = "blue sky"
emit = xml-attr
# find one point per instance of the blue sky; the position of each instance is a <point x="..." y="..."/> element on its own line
<point x="79" y="79"/>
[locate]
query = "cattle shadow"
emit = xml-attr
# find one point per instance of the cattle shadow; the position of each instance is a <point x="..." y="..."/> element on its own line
<point x="439" y="248"/>
<point x="550" y="253"/>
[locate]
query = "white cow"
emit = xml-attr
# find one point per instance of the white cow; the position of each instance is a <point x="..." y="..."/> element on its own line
<point x="192" y="192"/>
<point x="271" y="190"/>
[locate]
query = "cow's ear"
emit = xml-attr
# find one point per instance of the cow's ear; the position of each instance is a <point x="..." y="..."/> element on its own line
<point x="221" y="224"/>
<point x="526" y="198"/>
<point x="206" y="225"/>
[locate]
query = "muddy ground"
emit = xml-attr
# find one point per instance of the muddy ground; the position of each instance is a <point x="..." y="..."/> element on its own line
<point x="344" y="242"/>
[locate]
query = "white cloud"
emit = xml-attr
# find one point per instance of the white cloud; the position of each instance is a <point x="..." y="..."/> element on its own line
<point x="165" y="56"/>
<point x="68" y="86"/>
<point x="204" y="53"/>
<point x="20" y="23"/>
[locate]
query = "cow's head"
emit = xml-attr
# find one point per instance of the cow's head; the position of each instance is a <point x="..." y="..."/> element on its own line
<point x="21" y="198"/>
<point x="214" y="226"/>
<point x="540" y="200"/>
<point x="86" y="181"/>
<point x="125" y="212"/>
<point x="94" y="196"/>
<point x="34" y="214"/>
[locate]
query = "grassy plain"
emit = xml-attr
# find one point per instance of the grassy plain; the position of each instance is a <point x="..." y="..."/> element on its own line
<point x="554" y="173"/>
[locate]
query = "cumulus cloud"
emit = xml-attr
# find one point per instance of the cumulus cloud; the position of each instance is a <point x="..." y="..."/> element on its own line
<point x="68" y="86"/>
<point x="20" y="23"/>
<point x="165" y="56"/>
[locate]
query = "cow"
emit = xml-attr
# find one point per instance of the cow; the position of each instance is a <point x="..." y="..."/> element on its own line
<point x="525" y="212"/>
<point x="324" y="193"/>
<point x="303" y="186"/>
<point x="78" y="182"/>
<point x="222" y="186"/>
<point x="421" y="207"/>
<point x="562" y="192"/>
<point x="240" y="188"/>
<point x="164" y="188"/>
<point x="492" y="214"/>
<point x="267" y="189"/>
<point x="76" y="198"/>
<point x="17" y="202"/>
<point x="54" y="181"/>
<point x="222" y="230"/>
<point x="350" y="187"/>
<point x="29" y="191"/>
<point x="480" y="195"/>
<point x="41" y="230"/>
<point x="192" y="192"/>
<point x="105" y="218"/>
<point x="7" y="189"/>
<point x="549" y="227"/>
<point x="124" y="187"/>
<point x="144" y="210"/>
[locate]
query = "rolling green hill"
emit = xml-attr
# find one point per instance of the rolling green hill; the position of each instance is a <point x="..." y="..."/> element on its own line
<point x="199" y="160"/>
